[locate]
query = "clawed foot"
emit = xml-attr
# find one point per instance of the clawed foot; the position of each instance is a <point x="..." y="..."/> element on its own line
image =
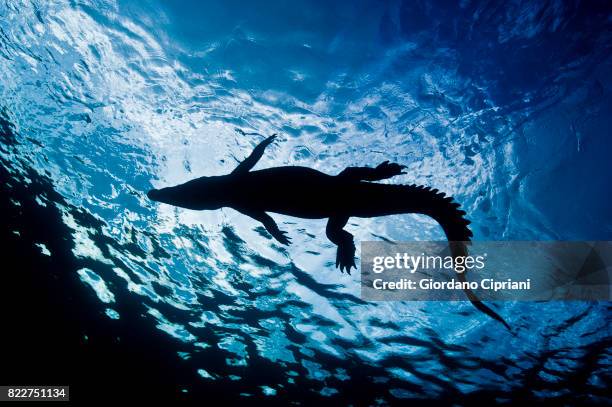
<point x="388" y="170"/>
<point x="345" y="257"/>
<point x="268" y="140"/>
<point x="282" y="237"/>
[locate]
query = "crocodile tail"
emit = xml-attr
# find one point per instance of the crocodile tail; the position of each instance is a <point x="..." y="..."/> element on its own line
<point x="446" y="212"/>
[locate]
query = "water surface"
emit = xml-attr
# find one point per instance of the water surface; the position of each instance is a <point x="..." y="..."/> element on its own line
<point x="505" y="105"/>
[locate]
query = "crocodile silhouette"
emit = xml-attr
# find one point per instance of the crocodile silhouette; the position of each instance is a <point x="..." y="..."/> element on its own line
<point x="307" y="193"/>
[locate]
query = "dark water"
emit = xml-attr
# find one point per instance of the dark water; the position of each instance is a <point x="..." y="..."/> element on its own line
<point x="505" y="105"/>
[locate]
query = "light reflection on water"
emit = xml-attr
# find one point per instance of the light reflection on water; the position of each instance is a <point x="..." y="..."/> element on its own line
<point x="109" y="99"/>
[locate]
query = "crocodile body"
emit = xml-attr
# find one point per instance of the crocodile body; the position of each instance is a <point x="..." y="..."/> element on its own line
<point x="307" y="193"/>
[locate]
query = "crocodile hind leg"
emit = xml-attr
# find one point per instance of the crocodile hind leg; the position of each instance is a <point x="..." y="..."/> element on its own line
<point x="345" y="255"/>
<point x="384" y="170"/>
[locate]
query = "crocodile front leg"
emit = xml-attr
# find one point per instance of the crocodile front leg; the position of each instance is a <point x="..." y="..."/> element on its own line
<point x="345" y="255"/>
<point x="269" y="224"/>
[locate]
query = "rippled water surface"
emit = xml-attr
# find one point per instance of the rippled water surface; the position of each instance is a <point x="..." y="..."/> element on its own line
<point x="505" y="105"/>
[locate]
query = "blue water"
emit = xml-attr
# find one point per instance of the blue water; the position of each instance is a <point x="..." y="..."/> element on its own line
<point x="505" y="105"/>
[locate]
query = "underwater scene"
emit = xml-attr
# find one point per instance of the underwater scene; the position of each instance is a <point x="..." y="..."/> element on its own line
<point x="504" y="105"/>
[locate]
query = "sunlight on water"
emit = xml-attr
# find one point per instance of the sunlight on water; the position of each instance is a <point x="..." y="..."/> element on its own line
<point x="109" y="99"/>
